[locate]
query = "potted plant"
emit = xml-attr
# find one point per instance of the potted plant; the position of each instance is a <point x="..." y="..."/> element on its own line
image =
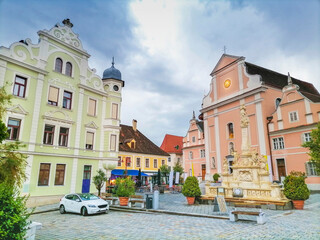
<point x="216" y="177"/>
<point x="296" y="189"/>
<point x="191" y="189"/>
<point x="125" y="187"/>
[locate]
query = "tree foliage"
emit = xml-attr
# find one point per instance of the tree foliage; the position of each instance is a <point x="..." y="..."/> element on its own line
<point x="125" y="187"/>
<point x="314" y="147"/>
<point x="191" y="187"/>
<point x="13" y="212"/>
<point x="99" y="180"/>
<point x="178" y="168"/>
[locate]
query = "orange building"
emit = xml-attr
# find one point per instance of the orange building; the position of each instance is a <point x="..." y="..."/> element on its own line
<point x="281" y="110"/>
<point x="194" y="150"/>
<point x="172" y="145"/>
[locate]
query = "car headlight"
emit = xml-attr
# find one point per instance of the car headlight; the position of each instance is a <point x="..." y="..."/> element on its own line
<point x="93" y="206"/>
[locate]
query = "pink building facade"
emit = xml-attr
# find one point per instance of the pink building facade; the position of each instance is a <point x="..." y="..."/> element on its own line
<point x="194" y="150"/>
<point x="271" y="99"/>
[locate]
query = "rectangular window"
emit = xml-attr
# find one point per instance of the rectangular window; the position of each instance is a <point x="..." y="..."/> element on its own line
<point x="60" y="171"/>
<point x="306" y="137"/>
<point x="89" y="140"/>
<point x="128" y="161"/>
<point x="48" y="134"/>
<point x="92" y="107"/>
<point x="53" y="96"/>
<point x="119" y="161"/>
<point x="63" y="136"/>
<point x="155" y="163"/>
<point x="169" y="159"/>
<point x="13" y="128"/>
<point x="147" y="163"/>
<point x="193" y="139"/>
<point x="20" y="85"/>
<point x="293" y="116"/>
<point x="278" y="143"/>
<point x="87" y="172"/>
<point x="190" y="155"/>
<point x="114" y="111"/>
<point x="163" y="162"/>
<point x="311" y="169"/>
<point x="138" y="162"/>
<point x="113" y="140"/>
<point x="67" y="100"/>
<point x="202" y="153"/>
<point x="44" y="174"/>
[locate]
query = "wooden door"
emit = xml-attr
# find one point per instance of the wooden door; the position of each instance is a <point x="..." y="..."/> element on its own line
<point x="281" y="168"/>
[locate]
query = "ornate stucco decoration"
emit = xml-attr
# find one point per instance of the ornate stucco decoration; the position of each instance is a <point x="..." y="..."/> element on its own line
<point x="91" y="125"/>
<point x="59" y="81"/>
<point x="17" y="109"/>
<point x="58" y="116"/>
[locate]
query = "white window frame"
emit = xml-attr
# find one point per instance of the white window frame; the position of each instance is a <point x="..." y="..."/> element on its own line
<point x="48" y="177"/>
<point x="294" y="114"/>
<point x="311" y="169"/>
<point x="113" y="136"/>
<point x="138" y="165"/>
<point x="117" y="112"/>
<point x="96" y="107"/>
<point x="155" y="162"/>
<point x="307" y="137"/>
<point x="59" y="93"/>
<point x="278" y="143"/>
<point x="27" y="84"/>
<point x="94" y="136"/>
<point x="190" y="155"/>
<point x="202" y="153"/>
<point x="65" y="173"/>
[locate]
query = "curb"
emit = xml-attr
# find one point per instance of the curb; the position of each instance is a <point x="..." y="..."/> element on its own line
<point x="147" y="211"/>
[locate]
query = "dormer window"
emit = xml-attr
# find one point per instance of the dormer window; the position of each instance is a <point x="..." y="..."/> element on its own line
<point x="58" y="66"/>
<point x="132" y="144"/>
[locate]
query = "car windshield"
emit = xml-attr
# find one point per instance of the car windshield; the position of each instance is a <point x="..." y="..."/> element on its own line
<point x="88" y="196"/>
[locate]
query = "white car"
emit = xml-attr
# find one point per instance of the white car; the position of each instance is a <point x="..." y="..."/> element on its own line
<point x="83" y="203"/>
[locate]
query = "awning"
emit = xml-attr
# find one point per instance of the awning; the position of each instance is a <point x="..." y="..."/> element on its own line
<point x="120" y="172"/>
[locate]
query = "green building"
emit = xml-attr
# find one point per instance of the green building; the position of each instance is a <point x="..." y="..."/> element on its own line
<point x="66" y="115"/>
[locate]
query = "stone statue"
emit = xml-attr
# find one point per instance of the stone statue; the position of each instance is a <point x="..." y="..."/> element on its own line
<point x="244" y="118"/>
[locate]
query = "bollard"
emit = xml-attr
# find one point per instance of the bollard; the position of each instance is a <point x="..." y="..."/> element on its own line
<point x="155" y="200"/>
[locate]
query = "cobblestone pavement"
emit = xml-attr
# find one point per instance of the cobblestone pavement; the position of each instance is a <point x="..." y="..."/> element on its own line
<point x="290" y="224"/>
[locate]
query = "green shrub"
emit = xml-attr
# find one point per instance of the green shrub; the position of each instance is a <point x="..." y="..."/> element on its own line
<point x="13" y="213"/>
<point x="216" y="177"/>
<point x="295" y="187"/>
<point x="191" y="187"/>
<point x="125" y="187"/>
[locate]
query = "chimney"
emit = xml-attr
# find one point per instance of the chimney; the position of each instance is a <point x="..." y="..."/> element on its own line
<point x="134" y="124"/>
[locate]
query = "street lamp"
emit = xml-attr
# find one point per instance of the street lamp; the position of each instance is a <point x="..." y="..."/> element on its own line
<point x="126" y="160"/>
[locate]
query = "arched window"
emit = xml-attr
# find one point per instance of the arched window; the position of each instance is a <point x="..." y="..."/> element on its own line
<point x="69" y="69"/>
<point x="278" y="100"/>
<point x="58" y="66"/>
<point x="230" y="130"/>
<point x="231" y="148"/>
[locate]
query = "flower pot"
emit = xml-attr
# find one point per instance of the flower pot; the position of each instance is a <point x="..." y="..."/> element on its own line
<point x="191" y="200"/>
<point x="298" y="204"/>
<point x="123" y="201"/>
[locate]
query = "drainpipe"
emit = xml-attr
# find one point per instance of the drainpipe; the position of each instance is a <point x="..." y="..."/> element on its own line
<point x="269" y="119"/>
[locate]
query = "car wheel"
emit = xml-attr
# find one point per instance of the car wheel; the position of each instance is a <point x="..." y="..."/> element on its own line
<point x="84" y="211"/>
<point x="62" y="210"/>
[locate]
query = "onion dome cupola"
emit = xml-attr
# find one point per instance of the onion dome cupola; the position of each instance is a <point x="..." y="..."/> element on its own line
<point x="112" y="77"/>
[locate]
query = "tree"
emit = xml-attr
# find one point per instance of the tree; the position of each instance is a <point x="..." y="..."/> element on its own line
<point x="165" y="170"/>
<point x="99" y="180"/>
<point x="314" y="147"/>
<point x="13" y="211"/>
<point x="178" y="168"/>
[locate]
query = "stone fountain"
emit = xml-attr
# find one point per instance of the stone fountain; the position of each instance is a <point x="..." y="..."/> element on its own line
<point x="249" y="180"/>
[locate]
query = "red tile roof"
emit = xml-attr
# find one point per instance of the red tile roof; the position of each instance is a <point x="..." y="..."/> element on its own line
<point x="172" y="144"/>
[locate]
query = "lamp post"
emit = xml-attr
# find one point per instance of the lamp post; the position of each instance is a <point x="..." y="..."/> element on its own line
<point x="127" y="160"/>
<point x="269" y="119"/>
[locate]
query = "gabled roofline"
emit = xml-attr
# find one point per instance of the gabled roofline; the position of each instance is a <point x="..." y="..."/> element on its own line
<point x="237" y="59"/>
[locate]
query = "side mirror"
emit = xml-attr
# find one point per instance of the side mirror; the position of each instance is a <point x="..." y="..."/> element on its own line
<point x="78" y="200"/>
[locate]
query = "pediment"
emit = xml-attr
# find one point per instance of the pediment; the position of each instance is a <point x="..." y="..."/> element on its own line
<point x="17" y="109"/>
<point x="91" y="125"/>
<point x="224" y="61"/>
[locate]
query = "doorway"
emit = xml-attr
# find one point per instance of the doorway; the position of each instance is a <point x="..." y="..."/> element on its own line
<point x="203" y="171"/>
<point x="281" y="165"/>
<point x="86" y="179"/>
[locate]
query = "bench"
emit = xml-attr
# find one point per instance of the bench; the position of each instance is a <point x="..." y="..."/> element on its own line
<point x="108" y="197"/>
<point x="137" y="199"/>
<point x="261" y="217"/>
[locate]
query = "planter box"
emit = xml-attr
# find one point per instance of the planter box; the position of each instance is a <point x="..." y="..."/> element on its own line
<point x="31" y="230"/>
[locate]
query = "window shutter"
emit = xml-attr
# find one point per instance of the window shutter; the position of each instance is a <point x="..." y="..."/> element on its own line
<point x="89" y="139"/>
<point x="92" y="107"/>
<point x="53" y="94"/>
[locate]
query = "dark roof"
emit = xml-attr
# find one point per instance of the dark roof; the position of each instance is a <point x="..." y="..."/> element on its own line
<point x="279" y="80"/>
<point x="200" y="124"/>
<point x="143" y="144"/>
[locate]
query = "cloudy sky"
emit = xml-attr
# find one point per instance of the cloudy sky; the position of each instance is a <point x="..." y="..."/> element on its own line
<point x="166" y="50"/>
